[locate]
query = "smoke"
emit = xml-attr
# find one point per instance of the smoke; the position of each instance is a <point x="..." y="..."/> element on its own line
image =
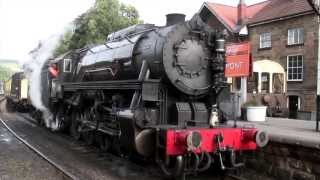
<point x="32" y="67"/>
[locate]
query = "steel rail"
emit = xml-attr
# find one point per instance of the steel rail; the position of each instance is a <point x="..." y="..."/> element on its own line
<point x="232" y="176"/>
<point x="57" y="166"/>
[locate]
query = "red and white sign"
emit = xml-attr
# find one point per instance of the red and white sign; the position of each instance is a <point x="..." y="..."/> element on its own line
<point x="238" y="60"/>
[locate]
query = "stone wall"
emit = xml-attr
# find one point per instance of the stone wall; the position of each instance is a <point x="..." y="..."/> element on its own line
<point x="283" y="162"/>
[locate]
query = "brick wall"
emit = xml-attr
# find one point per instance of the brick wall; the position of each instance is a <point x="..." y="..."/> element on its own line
<point x="306" y="89"/>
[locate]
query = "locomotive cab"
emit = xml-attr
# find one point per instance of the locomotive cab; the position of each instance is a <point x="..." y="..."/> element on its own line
<point x="62" y="67"/>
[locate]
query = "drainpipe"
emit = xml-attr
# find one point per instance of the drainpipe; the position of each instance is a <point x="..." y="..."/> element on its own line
<point x="318" y="79"/>
<point x="270" y="83"/>
<point x="243" y="93"/>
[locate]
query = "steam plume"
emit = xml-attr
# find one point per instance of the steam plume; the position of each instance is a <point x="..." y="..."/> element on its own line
<point x="32" y="68"/>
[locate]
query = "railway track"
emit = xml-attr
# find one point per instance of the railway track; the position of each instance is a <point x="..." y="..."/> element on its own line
<point x="70" y="167"/>
<point x="233" y="177"/>
<point x="84" y="161"/>
<point x="64" y="172"/>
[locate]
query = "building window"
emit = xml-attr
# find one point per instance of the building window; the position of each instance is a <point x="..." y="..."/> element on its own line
<point x="295" y="68"/>
<point x="265" y="82"/>
<point x="278" y="83"/>
<point x="265" y="40"/>
<point x="252" y="86"/>
<point x="295" y="36"/>
<point x="67" y="65"/>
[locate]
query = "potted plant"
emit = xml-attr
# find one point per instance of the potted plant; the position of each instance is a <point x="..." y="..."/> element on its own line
<point x="255" y="111"/>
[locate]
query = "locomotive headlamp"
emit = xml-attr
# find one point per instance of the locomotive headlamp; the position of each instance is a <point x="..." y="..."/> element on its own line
<point x="214" y="117"/>
<point x="194" y="140"/>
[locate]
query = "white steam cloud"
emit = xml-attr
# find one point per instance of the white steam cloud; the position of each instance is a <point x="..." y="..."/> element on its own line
<point x="32" y="68"/>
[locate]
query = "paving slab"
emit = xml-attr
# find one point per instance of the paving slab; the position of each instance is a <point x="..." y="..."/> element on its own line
<point x="291" y="131"/>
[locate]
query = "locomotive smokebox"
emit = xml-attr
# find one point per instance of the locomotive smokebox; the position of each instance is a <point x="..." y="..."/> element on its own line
<point x="175" y="18"/>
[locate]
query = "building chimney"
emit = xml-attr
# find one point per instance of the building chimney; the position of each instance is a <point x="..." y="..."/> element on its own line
<point x="242" y="13"/>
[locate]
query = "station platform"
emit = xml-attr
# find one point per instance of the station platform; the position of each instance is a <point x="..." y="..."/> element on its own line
<point x="287" y="131"/>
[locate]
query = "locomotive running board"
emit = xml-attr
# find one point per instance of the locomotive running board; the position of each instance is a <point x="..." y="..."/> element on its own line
<point x="127" y="84"/>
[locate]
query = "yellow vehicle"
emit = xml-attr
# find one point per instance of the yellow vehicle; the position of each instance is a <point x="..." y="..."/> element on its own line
<point x="16" y="91"/>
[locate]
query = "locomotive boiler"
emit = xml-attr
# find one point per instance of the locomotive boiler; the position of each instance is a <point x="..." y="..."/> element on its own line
<point x="150" y="91"/>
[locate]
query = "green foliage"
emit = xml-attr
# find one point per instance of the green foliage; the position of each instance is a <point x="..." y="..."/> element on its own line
<point x="252" y="102"/>
<point x="93" y="27"/>
<point x="4" y="74"/>
<point x="64" y="43"/>
<point x="7" y="68"/>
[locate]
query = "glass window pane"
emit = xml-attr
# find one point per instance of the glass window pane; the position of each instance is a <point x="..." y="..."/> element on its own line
<point x="301" y="34"/>
<point x="290" y="76"/>
<point x="269" y="37"/>
<point x="299" y="70"/>
<point x="265" y="40"/>
<point x="278" y="83"/>
<point x="289" y="36"/>
<point x="296" y="36"/>
<point x="295" y="70"/>
<point x="294" y="63"/>
<point x="300" y="76"/>
<point x="294" y="76"/>
<point x="265" y="78"/>
<point x="253" y="83"/>
<point x="290" y="62"/>
<point x="290" y="70"/>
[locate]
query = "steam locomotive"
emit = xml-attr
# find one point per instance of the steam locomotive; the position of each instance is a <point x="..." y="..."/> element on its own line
<point x="151" y="92"/>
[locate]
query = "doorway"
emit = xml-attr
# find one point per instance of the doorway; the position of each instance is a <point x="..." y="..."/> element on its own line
<point x="293" y="104"/>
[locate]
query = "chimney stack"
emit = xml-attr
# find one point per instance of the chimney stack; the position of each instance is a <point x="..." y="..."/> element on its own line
<point x="175" y="18"/>
<point x="242" y="13"/>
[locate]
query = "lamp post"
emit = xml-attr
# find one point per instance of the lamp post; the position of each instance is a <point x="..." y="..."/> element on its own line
<point x="315" y="4"/>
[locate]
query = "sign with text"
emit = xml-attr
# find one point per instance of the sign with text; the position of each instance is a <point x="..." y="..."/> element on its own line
<point x="238" y="60"/>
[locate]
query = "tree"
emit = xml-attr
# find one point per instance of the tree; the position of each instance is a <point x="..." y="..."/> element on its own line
<point x="5" y="73"/>
<point x="64" y="43"/>
<point x="93" y="27"/>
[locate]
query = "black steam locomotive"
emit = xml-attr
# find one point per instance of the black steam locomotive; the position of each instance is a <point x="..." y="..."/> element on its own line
<point x="152" y="92"/>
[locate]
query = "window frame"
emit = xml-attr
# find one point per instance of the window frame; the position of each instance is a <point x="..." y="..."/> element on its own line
<point x="262" y="90"/>
<point x="302" y="72"/>
<point x="64" y="65"/>
<point x="282" y="84"/>
<point x="300" y="36"/>
<point x="262" y="40"/>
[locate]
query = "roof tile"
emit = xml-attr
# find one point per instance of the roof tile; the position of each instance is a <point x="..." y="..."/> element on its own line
<point x="263" y="11"/>
<point x="281" y="8"/>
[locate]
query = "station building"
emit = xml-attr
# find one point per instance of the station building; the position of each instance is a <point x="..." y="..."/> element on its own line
<point x="284" y="43"/>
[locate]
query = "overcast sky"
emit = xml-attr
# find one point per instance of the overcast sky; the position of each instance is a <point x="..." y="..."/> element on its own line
<point x="23" y="23"/>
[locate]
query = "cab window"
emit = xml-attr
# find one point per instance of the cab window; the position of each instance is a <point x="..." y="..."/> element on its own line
<point x="67" y="66"/>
